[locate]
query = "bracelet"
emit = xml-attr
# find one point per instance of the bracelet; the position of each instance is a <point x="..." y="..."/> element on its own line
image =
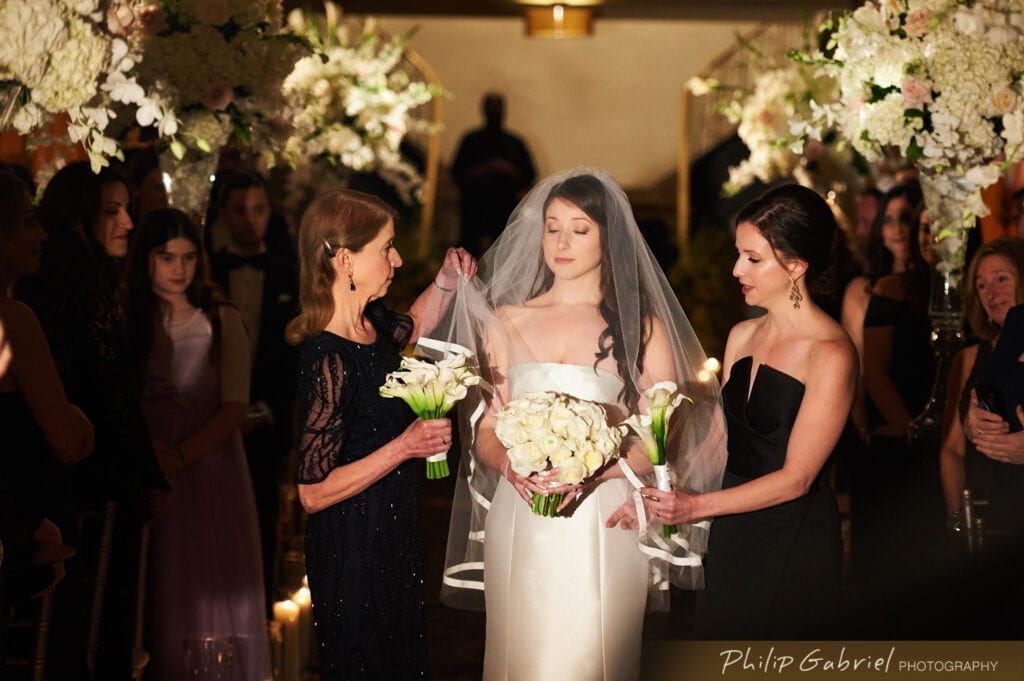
<point x="446" y="290"/>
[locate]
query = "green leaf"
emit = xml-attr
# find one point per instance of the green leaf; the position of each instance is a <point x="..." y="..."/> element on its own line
<point x="914" y="151"/>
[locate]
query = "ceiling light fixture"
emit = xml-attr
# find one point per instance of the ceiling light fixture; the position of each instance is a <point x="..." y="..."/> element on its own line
<point x="559" y="21"/>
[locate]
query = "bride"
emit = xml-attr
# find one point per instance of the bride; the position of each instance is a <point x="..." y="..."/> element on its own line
<point x="571" y="300"/>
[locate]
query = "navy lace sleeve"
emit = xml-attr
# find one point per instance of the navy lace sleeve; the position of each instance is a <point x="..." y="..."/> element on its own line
<point x="321" y="401"/>
<point x="397" y="325"/>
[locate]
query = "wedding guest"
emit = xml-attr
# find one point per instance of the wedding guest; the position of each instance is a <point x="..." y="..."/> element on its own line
<point x="492" y="168"/>
<point x="42" y="431"/>
<point x="994" y="285"/>
<point x="983" y="445"/>
<point x="899" y="504"/>
<point x="191" y="356"/>
<point x="774" y="558"/>
<point x="573" y="301"/>
<point x="145" y="180"/>
<point x="262" y="285"/>
<point x="85" y="215"/>
<point x="888" y="252"/>
<point x="358" y="480"/>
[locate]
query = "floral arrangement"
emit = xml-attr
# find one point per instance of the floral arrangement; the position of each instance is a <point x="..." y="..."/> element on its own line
<point x="939" y="82"/>
<point x="653" y="428"/>
<point x="75" y="57"/>
<point x="783" y="92"/>
<point x="218" y="66"/>
<point x="546" y="429"/>
<point x="431" y="390"/>
<point x="349" y="102"/>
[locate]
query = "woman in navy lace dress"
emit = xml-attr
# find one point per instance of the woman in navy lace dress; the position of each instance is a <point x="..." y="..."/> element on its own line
<point x="358" y="477"/>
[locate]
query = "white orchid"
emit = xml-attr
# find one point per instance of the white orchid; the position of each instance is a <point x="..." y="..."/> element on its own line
<point x="350" y="103"/>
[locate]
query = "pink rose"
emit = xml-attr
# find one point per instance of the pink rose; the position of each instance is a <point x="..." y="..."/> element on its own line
<point x="120" y="18"/>
<point x="217" y="95"/>
<point x="917" y="22"/>
<point x="152" y="20"/>
<point x="915" y="92"/>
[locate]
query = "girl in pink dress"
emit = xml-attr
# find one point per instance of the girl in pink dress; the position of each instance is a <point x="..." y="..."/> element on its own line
<point x="205" y="592"/>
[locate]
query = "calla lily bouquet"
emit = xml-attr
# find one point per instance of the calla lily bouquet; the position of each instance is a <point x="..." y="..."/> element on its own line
<point x="547" y="429"/>
<point x="431" y="389"/>
<point x="653" y="427"/>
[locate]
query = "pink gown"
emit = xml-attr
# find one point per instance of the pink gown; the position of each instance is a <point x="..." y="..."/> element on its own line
<point x="205" y="603"/>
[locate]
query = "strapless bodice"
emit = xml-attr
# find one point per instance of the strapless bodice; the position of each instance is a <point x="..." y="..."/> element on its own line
<point x="582" y="382"/>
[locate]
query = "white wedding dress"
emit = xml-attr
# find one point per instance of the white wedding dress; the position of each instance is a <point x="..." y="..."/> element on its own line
<point x="565" y="596"/>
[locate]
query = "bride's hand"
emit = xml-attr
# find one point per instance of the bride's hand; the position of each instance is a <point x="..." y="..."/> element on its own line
<point x="527" y="486"/>
<point x="669" y="508"/>
<point x="624" y="516"/>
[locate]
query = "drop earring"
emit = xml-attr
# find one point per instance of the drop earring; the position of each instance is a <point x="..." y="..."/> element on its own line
<point x="794" y="295"/>
<point x="351" y="284"/>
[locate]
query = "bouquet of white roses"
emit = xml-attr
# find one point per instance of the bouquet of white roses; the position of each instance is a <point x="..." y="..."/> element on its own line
<point x="546" y="429"/>
<point x="653" y="427"/>
<point x="431" y="390"/>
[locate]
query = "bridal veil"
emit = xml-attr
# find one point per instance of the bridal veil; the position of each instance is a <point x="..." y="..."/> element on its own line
<point x="513" y="271"/>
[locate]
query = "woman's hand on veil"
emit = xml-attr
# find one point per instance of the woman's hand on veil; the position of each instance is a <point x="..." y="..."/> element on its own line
<point x="457" y="262"/>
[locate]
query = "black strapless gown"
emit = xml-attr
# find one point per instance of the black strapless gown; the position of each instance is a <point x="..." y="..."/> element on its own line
<point x="772" y="573"/>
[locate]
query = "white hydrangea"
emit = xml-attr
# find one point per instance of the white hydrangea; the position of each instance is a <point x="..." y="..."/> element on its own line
<point x="969" y="55"/>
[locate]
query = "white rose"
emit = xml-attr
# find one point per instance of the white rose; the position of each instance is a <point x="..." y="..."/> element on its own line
<point x="969" y="22"/>
<point x="560" y="455"/>
<point x="571" y="471"/>
<point x="592" y="460"/>
<point x="1004" y="99"/>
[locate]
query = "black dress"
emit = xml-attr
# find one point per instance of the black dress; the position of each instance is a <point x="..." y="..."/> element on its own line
<point x="772" y="573"/>
<point x="363" y="555"/>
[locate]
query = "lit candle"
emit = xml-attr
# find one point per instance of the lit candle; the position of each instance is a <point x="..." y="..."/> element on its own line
<point x="287" y="613"/>
<point x="302" y="599"/>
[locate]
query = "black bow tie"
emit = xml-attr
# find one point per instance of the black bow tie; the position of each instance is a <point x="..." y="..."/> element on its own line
<point x="258" y="261"/>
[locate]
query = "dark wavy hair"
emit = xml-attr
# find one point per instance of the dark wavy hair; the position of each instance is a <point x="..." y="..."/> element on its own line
<point x="69" y="211"/>
<point x="588" y="194"/>
<point x="142" y="305"/>
<point x="799" y="225"/>
<point x="879" y="258"/>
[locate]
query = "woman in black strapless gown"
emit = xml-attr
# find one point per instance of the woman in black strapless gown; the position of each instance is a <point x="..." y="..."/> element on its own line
<point x="774" y="557"/>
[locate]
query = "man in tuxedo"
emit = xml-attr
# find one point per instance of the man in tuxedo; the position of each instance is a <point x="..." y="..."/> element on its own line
<point x="263" y="286"/>
<point x="493" y="169"/>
